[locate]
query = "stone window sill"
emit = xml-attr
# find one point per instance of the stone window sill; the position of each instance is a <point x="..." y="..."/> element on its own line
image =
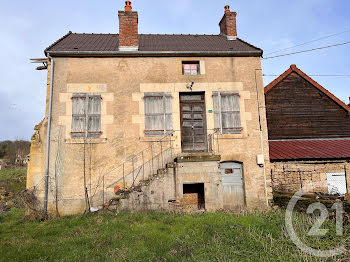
<point x="88" y="141"/>
<point x="232" y="136"/>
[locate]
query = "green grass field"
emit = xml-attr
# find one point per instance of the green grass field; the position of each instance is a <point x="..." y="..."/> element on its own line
<point x="157" y="237"/>
<point x="106" y="236"/>
<point x="13" y="180"/>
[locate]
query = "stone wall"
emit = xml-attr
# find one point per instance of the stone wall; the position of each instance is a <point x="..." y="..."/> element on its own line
<point x="311" y="176"/>
<point x="122" y="83"/>
<point x="165" y="192"/>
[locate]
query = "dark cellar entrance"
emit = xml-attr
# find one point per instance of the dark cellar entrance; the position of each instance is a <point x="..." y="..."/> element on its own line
<point x="193" y="195"/>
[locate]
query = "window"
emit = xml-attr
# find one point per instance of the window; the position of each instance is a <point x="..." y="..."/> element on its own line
<point x="86" y="115"/>
<point x="227" y="116"/>
<point x="190" y="68"/>
<point x="158" y="114"/>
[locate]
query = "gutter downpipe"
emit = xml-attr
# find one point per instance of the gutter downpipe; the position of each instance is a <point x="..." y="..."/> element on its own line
<point x="261" y="137"/>
<point x="48" y="139"/>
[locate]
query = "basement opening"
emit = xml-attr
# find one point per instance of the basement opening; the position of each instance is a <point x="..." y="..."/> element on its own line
<point x="193" y="195"/>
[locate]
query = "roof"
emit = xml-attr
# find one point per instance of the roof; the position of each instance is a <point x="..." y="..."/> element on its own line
<point x="73" y="43"/>
<point x="295" y="69"/>
<point x="309" y="149"/>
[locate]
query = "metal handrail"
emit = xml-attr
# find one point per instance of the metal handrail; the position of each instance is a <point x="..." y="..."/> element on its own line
<point x="134" y="155"/>
<point x="211" y="140"/>
<point x="135" y="171"/>
<point x="159" y="154"/>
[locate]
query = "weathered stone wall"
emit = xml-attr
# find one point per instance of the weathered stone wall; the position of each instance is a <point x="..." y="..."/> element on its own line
<point x="311" y="176"/>
<point x="155" y="196"/>
<point x="165" y="192"/>
<point x="121" y="83"/>
<point x="207" y="173"/>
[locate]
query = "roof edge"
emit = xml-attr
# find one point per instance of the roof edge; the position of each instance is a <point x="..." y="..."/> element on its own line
<point x="278" y="80"/>
<point x="56" y="42"/>
<point x="294" y="68"/>
<point x="253" y="46"/>
<point x="257" y="53"/>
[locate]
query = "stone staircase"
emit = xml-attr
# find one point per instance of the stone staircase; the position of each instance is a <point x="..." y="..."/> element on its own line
<point x="185" y="181"/>
<point x="161" y="179"/>
<point x="154" y="193"/>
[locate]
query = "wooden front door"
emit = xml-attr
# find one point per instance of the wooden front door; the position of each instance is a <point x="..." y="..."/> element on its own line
<point x="193" y="122"/>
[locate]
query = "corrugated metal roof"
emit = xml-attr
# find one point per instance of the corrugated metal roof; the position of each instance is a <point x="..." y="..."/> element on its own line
<point x="152" y="42"/>
<point x="309" y="149"/>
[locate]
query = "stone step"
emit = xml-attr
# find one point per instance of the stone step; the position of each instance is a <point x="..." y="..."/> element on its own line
<point x="202" y="157"/>
<point x="124" y="193"/>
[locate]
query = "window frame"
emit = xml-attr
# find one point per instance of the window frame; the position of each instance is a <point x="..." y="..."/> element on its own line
<point x="191" y="63"/>
<point x="226" y="130"/>
<point x="164" y="113"/>
<point x="86" y="134"/>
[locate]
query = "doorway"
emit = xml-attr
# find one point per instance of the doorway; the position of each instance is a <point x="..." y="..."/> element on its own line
<point x="232" y="185"/>
<point x="193" y="122"/>
<point x="193" y="195"/>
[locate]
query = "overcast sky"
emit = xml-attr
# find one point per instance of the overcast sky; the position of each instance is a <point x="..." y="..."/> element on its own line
<point x="28" y="27"/>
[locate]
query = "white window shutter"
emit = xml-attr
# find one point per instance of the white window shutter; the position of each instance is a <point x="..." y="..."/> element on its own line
<point x="217" y="111"/>
<point x="94" y="116"/>
<point x="237" y="114"/>
<point x="86" y="115"/>
<point x="168" y="113"/>
<point x="154" y="113"/>
<point x="78" y="115"/>
<point x="227" y="114"/>
<point x="158" y="113"/>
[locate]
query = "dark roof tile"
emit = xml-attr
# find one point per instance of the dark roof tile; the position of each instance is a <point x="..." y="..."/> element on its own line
<point x="151" y="42"/>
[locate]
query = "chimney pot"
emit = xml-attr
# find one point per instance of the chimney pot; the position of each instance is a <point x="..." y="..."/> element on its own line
<point x="227" y="9"/>
<point x="128" y="7"/>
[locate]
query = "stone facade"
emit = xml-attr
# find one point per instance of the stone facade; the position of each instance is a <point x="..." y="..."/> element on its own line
<point x="122" y="83"/>
<point x="310" y="176"/>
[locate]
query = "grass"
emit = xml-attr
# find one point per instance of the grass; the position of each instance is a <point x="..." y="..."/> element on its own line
<point x="105" y="236"/>
<point x="13" y="180"/>
<point x="158" y="237"/>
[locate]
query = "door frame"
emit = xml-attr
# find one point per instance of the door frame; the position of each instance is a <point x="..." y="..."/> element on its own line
<point x="204" y="120"/>
<point x="243" y="178"/>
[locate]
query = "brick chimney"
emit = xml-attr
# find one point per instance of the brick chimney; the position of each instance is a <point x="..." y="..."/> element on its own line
<point x="228" y="25"/>
<point x="128" y="29"/>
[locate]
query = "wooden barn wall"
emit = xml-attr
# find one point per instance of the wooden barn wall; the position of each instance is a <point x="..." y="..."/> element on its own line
<point x="297" y="109"/>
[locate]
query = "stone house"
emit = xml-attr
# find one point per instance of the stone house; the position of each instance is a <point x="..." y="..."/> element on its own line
<point x="152" y="122"/>
<point x="309" y="135"/>
<point x="22" y="159"/>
